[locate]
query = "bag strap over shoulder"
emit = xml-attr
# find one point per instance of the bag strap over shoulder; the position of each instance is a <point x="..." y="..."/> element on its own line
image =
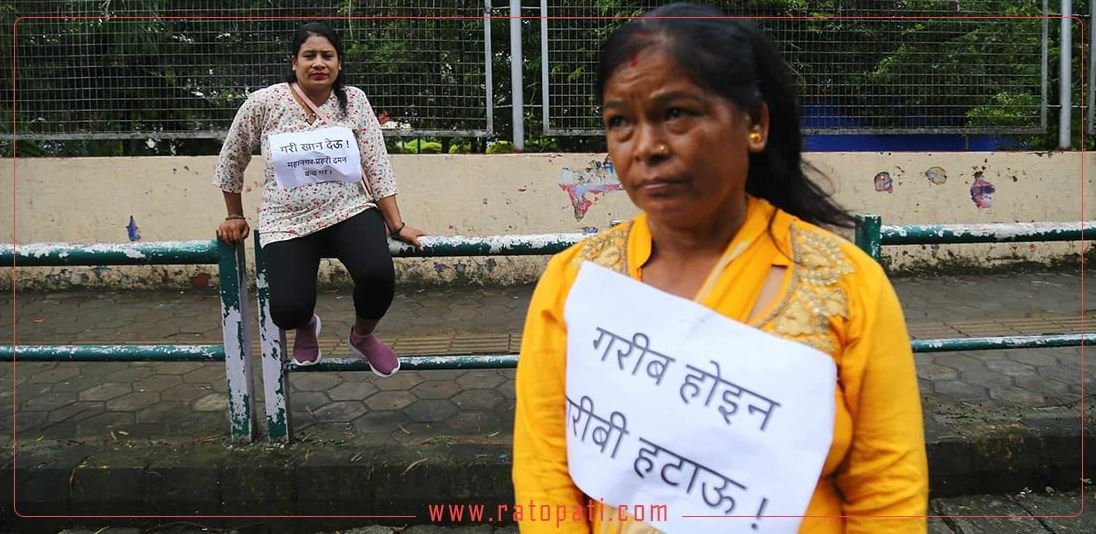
<point x="323" y="117"/>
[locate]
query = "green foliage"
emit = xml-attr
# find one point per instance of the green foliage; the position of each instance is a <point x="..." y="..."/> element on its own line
<point x="420" y="70"/>
<point x="500" y="147"/>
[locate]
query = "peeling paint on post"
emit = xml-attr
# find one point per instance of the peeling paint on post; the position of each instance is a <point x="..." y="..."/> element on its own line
<point x="868" y="236"/>
<point x="273" y="343"/>
<point x="113" y="353"/>
<point x="235" y="325"/>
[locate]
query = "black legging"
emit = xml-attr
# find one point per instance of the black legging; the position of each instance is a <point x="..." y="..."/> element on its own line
<point x="359" y="242"/>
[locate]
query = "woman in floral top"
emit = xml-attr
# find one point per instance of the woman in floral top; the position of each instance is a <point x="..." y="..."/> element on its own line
<point x="312" y="206"/>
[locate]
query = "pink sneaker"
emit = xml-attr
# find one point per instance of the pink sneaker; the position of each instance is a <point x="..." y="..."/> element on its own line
<point x="306" y="344"/>
<point x="382" y="359"/>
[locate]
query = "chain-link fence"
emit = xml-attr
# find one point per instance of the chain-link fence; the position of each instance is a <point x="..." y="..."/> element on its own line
<point x="118" y="69"/>
<point x="103" y="69"/>
<point x="868" y="66"/>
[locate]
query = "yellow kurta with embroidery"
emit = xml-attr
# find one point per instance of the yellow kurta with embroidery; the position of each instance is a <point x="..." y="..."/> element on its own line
<point x="833" y="297"/>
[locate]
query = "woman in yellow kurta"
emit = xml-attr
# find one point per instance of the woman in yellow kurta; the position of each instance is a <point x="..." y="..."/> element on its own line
<point x="702" y="128"/>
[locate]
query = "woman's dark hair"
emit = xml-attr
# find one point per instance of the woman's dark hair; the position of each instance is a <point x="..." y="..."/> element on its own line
<point x="733" y="59"/>
<point x="323" y="30"/>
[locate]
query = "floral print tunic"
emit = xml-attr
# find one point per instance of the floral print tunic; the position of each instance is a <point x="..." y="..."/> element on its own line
<point x="290" y="213"/>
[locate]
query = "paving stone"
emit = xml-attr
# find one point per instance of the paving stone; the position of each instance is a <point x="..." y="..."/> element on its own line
<point x="352" y="391"/>
<point x="1068" y="374"/>
<point x="29" y="422"/>
<point x="178" y="368"/>
<point x="75" y="412"/>
<point x="131" y="374"/>
<point x="50" y="376"/>
<point x="959" y="390"/>
<point x="313" y="381"/>
<point x="207" y="374"/>
<point x="157" y="383"/>
<point x="1038" y="384"/>
<point x="133" y="401"/>
<point x="478" y="399"/>
<point x="338" y="412"/>
<point x="932" y="371"/>
<point x="1033" y="357"/>
<point x="401" y="381"/>
<point x="1011" y="368"/>
<point x="987" y="378"/>
<point x="436" y="389"/>
<point x="380" y="422"/>
<point x="430" y="411"/>
<point x="48" y="401"/>
<point x="962" y="362"/>
<point x="309" y="401"/>
<point x="104" y="392"/>
<point x="481" y="379"/>
<point x="201" y="424"/>
<point x="508" y="390"/>
<point x="214" y="402"/>
<point x="183" y="392"/>
<point x="390" y="400"/>
<point x="162" y="412"/>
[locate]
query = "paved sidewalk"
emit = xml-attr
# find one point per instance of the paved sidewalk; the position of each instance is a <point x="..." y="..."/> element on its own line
<point x="112" y="401"/>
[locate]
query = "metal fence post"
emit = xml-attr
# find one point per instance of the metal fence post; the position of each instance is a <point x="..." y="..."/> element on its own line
<point x="235" y="325"/>
<point x="868" y="235"/>
<point x="1065" y="75"/>
<point x="517" y="96"/>
<point x="272" y="341"/>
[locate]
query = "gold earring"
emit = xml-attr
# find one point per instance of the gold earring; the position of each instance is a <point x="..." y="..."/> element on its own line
<point x="755" y="137"/>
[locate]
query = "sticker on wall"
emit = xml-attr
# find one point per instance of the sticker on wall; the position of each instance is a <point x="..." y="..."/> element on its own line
<point x="937" y="175"/>
<point x="981" y="192"/>
<point x="133" y="230"/>
<point x="584" y="186"/>
<point x="883" y="182"/>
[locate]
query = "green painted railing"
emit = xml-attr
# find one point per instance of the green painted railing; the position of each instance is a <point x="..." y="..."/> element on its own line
<point x="1003" y="342"/>
<point x="235" y="352"/>
<point x="871" y="234"/>
<point x="114" y="353"/>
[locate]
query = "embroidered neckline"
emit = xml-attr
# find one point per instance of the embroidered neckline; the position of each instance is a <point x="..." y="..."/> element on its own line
<point x="813" y="296"/>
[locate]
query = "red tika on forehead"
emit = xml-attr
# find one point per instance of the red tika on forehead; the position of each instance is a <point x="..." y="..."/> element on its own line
<point x="634" y="60"/>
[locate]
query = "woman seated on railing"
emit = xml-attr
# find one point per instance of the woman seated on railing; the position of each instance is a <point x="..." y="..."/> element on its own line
<point x="327" y="171"/>
<point x="725" y="283"/>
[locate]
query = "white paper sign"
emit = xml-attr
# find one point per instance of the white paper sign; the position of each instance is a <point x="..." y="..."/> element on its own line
<point x="324" y="155"/>
<point x="670" y="403"/>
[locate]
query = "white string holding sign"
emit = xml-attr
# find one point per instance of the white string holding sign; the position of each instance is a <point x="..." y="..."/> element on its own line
<point x="670" y="403"/>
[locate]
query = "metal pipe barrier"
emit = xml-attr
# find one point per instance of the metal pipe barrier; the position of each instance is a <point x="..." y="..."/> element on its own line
<point x="235" y="315"/>
<point x="870" y="236"/>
